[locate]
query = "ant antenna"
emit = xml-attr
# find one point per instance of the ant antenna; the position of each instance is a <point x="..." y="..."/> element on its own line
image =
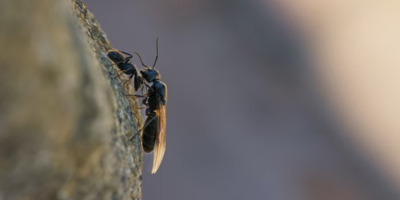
<point x="156" y="54"/>
<point x="141" y="60"/>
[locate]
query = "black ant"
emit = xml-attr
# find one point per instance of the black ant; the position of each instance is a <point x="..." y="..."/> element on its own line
<point x="155" y="124"/>
<point x="123" y="63"/>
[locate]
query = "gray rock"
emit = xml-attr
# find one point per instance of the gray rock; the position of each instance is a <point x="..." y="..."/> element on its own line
<point x="64" y="120"/>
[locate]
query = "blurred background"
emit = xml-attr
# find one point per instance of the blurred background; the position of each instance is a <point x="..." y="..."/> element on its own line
<point x="279" y="100"/>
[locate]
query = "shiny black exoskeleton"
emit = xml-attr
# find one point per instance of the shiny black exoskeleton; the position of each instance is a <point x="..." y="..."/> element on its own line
<point x="155" y="96"/>
<point x="123" y="63"/>
<point x="154" y="127"/>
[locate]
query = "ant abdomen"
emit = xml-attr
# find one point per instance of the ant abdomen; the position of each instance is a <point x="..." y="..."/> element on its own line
<point x="116" y="56"/>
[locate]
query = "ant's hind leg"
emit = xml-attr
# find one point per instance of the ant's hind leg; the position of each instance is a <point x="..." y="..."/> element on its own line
<point x="134" y="95"/>
<point x="128" y="81"/>
<point x="133" y="136"/>
<point x="142" y="107"/>
<point x="127" y="59"/>
<point x="130" y="55"/>
<point x="118" y="75"/>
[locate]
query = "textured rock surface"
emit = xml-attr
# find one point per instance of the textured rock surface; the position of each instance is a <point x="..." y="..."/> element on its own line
<point x="64" y="121"/>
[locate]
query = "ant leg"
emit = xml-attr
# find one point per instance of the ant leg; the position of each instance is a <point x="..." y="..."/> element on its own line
<point x="141" y="89"/>
<point x="128" y="81"/>
<point x="110" y="65"/>
<point x="142" y="94"/>
<point x="148" y="86"/>
<point x="142" y="128"/>
<point x="144" y="100"/>
<point x="142" y="107"/>
<point x="130" y="55"/>
<point x="127" y="59"/>
<point x="116" y="72"/>
<point x="134" y="95"/>
<point x="119" y="74"/>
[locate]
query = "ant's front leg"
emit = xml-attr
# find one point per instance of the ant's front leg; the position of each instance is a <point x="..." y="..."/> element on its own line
<point x="148" y="86"/>
<point x="144" y="103"/>
<point x="141" y="89"/>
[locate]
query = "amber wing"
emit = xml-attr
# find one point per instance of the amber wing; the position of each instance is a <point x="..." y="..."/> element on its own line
<point x="160" y="137"/>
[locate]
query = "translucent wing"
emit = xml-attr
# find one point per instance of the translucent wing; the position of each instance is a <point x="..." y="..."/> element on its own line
<point x="160" y="137"/>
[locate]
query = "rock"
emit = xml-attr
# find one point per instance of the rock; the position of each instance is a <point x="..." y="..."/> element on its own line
<point x="64" y="120"/>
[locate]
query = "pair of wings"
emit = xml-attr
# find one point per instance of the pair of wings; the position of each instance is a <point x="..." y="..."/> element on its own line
<point x="161" y="122"/>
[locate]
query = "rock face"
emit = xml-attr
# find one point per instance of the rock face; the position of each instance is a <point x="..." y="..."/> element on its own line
<point x="64" y="120"/>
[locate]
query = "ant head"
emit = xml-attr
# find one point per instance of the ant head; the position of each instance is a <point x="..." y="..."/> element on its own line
<point x="150" y="75"/>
